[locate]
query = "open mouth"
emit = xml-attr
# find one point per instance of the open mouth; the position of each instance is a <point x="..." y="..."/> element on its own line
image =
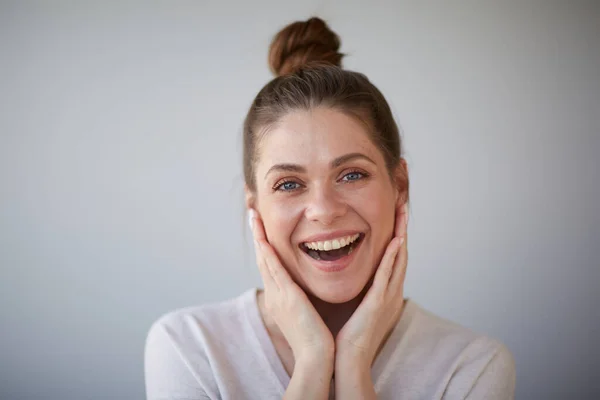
<point x="332" y="254"/>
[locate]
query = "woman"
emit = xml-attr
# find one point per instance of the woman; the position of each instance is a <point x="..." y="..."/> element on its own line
<point x="327" y="193"/>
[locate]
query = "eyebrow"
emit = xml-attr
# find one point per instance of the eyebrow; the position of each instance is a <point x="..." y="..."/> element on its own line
<point x="334" y="164"/>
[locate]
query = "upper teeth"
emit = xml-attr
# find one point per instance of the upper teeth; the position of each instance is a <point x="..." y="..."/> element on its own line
<point x="332" y="244"/>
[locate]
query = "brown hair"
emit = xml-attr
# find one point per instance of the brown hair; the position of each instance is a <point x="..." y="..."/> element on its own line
<point x="305" y="59"/>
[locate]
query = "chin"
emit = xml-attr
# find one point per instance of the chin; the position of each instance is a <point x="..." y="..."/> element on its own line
<point x="336" y="294"/>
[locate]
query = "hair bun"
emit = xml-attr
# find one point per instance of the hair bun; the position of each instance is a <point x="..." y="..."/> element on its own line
<point x="302" y="43"/>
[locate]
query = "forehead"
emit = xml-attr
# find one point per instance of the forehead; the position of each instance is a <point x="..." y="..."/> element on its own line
<point x="315" y="137"/>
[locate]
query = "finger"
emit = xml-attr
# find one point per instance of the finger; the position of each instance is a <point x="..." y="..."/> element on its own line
<point x="278" y="272"/>
<point x="260" y="259"/>
<point x="385" y="269"/>
<point x="256" y="224"/>
<point x="265" y="273"/>
<point x="401" y="262"/>
<point x="399" y="272"/>
<point x="401" y="219"/>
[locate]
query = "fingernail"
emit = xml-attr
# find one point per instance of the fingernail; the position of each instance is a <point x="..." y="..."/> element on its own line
<point x="401" y="242"/>
<point x="251" y="215"/>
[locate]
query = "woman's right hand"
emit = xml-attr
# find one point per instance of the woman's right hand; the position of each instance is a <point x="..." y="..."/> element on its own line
<point x="288" y="305"/>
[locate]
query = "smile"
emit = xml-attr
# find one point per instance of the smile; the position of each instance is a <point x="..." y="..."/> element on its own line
<point x="332" y="250"/>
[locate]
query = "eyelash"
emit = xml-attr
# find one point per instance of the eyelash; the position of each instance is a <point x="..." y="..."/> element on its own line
<point x="279" y="185"/>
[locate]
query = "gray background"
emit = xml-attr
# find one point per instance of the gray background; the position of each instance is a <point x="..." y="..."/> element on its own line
<point x="121" y="183"/>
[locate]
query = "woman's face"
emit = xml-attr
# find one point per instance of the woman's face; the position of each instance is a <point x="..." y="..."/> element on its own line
<point x="318" y="178"/>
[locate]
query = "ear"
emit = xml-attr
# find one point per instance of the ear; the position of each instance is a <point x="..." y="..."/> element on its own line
<point x="401" y="177"/>
<point x="250" y="198"/>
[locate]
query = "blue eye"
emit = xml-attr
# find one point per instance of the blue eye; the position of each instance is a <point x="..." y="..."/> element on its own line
<point x="290" y="186"/>
<point x="354" y="176"/>
<point x="287" y="186"/>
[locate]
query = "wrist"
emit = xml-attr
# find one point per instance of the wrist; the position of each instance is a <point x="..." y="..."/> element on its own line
<point x="310" y="379"/>
<point x="351" y="357"/>
<point x="316" y="353"/>
<point x="321" y="361"/>
<point x="353" y="379"/>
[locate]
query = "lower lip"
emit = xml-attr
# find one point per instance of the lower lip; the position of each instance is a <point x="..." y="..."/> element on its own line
<point x="337" y="265"/>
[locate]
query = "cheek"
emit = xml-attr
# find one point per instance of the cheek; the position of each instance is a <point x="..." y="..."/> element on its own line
<point x="374" y="205"/>
<point x="280" y="220"/>
<point x="379" y="213"/>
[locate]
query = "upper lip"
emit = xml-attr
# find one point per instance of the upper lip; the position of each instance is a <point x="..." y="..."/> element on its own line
<point x="330" y="235"/>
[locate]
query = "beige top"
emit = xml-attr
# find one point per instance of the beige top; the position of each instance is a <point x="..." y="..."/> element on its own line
<point x="223" y="351"/>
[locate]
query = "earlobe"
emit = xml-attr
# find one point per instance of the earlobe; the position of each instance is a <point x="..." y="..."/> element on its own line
<point x="250" y="197"/>
<point x="402" y="182"/>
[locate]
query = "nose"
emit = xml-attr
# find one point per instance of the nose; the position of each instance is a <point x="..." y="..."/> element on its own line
<point x="325" y="205"/>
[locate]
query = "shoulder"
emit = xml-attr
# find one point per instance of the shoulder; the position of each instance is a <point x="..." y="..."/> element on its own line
<point x="186" y="318"/>
<point x="184" y="345"/>
<point x="473" y="361"/>
<point x="430" y="327"/>
<point x="197" y="322"/>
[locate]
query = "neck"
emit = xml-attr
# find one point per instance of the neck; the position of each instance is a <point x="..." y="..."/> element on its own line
<point x="333" y="315"/>
<point x="336" y="315"/>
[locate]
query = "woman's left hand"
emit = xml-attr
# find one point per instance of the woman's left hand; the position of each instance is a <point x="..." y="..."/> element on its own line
<point x="361" y="337"/>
